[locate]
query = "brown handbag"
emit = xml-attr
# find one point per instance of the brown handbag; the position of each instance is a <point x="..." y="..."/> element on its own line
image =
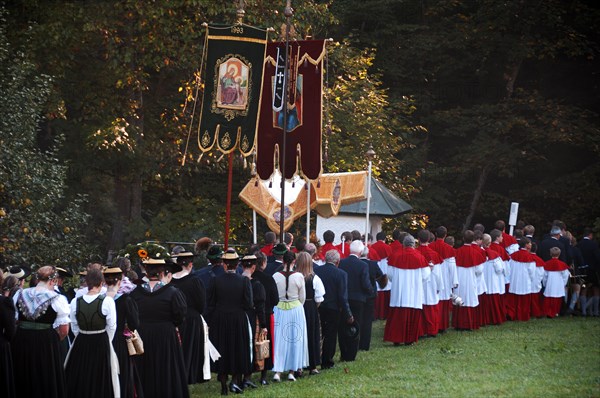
<point x="135" y="345"/>
<point x="262" y="346"/>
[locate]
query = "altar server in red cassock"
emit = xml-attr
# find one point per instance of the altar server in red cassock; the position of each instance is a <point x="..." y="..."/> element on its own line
<point x="537" y="309"/>
<point x="469" y="262"/>
<point x="481" y="311"/>
<point x="449" y="275"/>
<point x="496" y="246"/>
<point x="493" y="271"/>
<point x="522" y="277"/>
<point x="382" y="302"/>
<point x="328" y="237"/>
<point x="509" y="243"/>
<point x="431" y="287"/>
<point x="408" y="269"/>
<point x="383" y="249"/>
<point x="556" y="276"/>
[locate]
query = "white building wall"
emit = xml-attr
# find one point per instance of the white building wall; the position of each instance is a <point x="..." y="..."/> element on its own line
<point x="342" y="223"/>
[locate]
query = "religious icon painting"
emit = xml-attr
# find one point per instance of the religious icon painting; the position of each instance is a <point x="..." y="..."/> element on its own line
<point x="294" y="113"/>
<point x="233" y="79"/>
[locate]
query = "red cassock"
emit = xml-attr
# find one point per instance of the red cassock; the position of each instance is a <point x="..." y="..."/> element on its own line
<point x="344" y="249"/>
<point x="465" y="317"/>
<point x="373" y="255"/>
<point x="492" y="302"/>
<point x="395" y="246"/>
<point x="405" y="323"/>
<point x="382" y="304"/>
<point x="552" y="305"/>
<point x="431" y="311"/>
<point x="537" y="299"/>
<point x="445" y="251"/>
<point x="325" y="248"/>
<point x="267" y="249"/>
<point x="520" y="302"/>
<point x="508" y="309"/>
<point x="383" y="249"/>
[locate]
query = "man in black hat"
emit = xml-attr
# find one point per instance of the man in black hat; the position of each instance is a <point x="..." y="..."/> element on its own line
<point x="277" y="264"/>
<point x="62" y="274"/>
<point x="215" y="268"/>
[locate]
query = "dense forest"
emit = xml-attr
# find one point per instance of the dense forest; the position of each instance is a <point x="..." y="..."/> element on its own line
<point x="469" y="105"/>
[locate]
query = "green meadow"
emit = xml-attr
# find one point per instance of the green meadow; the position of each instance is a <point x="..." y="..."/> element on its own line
<point x="540" y="358"/>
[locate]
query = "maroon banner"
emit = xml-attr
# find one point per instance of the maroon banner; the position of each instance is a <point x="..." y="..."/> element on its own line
<point x="304" y="116"/>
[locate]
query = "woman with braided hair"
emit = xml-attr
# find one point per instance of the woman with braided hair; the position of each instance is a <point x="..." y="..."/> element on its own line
<point x="291" y="337"/>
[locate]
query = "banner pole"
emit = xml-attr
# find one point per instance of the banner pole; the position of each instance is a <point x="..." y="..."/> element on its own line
<point x="288" y="12"/>
<point x="308" y="212"/>
<point x="254" y="239"/>
<point x="228" y="205"/>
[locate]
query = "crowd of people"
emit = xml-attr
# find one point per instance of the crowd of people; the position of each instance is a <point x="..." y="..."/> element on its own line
<point x="299" y="302"/>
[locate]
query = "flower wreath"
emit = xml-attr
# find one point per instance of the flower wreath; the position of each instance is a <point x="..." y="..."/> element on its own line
<point x="142" y="252"/>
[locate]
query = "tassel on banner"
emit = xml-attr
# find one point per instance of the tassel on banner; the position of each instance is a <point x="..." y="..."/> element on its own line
<point x="293" y="183"/>
<point x="245" y="162"/>
<point x="220" y="158"/>
<point x="319" y="183"/>
<point x="256" y="182"/>
<point x="306" y="186"/>
<point x="271" y="184"/>
<point x="200" y="157"/>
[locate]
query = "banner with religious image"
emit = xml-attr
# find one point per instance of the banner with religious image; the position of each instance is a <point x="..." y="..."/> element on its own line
<point x="232" y="88"/>
<point x="304" y="110"/>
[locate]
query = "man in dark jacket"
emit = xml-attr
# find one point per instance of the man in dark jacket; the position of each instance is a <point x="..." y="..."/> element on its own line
<point x="359" y="289"/>
<point x="334" y="306"/>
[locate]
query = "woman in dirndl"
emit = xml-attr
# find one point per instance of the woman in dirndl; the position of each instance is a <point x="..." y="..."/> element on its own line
<point x="43" y="321"/>
<point x="162" y="308"/>
<point x="230" y="296"/>
<point x="291" y="339"/>
<point x="127" y="321"/>
<point x="92" y="367"/>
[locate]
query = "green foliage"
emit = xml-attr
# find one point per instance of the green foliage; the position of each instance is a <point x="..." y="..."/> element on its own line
<point x="39" y="224"/>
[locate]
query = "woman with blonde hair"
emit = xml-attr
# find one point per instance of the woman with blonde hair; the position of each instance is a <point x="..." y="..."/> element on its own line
<point x="43" y="321"/>
<point x="315" y="292"/>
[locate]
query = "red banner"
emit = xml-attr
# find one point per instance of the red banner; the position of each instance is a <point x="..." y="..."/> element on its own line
<point x="304" y="116"/>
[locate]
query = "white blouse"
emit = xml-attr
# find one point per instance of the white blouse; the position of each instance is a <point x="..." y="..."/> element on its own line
<point x="108" y="309"/>
<point x="319" y="289"/>
<point x="296" y="287"/>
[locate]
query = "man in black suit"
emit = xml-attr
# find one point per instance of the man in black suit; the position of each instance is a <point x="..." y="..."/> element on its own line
<point x="359" y="289"/>
<point x="591" y="258"/>
<point x="277" y="264"/>
<point x="550" y="242"/>
<point x="334" y="306"/>
<point x="375" y="277"/>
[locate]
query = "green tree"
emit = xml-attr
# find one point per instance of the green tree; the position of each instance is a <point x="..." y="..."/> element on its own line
<point x="39" y="224"/>
<point x="488" y="81"/>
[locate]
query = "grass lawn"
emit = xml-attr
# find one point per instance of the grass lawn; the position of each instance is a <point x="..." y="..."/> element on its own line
<point x="540" y="358"/>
